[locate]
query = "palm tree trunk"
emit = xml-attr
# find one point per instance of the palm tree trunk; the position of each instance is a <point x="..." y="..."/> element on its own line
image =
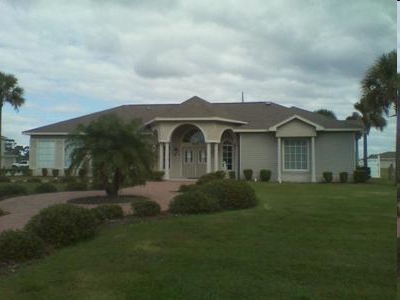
<point x="365" y="148"/>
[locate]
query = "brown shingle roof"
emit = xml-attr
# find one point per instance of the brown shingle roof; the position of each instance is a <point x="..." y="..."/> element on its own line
<point x="257" y="115"/>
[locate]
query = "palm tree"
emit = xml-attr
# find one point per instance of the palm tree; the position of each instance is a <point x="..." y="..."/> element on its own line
<point x="326" y="112"/>
<point x="379" y="85"/>
<point x="370" y="118"/>
<point x="119" y="152"/>
<point x="9" y="92"/>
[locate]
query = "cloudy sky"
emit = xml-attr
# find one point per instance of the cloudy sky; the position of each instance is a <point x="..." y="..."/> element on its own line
<point x="79" y="56"/>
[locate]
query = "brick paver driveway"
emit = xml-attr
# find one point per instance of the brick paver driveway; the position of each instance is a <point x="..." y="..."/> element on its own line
<point x="22" y="208"/>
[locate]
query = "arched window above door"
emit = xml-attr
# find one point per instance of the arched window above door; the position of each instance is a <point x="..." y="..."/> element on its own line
<point x="194" y="136"/>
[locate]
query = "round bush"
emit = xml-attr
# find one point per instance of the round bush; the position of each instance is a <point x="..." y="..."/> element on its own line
<point x="328" y="176"/>
<point x="265" y="175"/>
<point x="34" y="180"/>
<point x="187" y="187"/>
<point x="194" y="202"/>
<point x="63" y="224"/>
<point x="344" y="176"/>
<point x="18" y="246"/>
<point x="2" y="212"/>
<point x="360" y="176"/>
<point x="12" y="190"/>
<point x="46" y="188"/>
<point x="68" y="179"/>
<point x="232" y="175"/>
<point x="108" y="212"/>
<point x="248" y="174"/>
<point x="210" y="177"/>
<point x="146" y="208"/>
<point x="76" y="186"/>
<point x="55" y="172"/>
<point x="231" y="194"/>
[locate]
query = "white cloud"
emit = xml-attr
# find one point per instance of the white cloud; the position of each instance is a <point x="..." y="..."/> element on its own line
<point x="310" y="54"/>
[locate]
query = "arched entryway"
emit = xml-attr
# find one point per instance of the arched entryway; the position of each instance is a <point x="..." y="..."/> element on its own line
<point x="188" y="152"/>
<point x="194" y="154"/>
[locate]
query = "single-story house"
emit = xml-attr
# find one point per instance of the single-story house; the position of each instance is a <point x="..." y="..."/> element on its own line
<point x="385" y="159"/>
<point x="198" y="137"/>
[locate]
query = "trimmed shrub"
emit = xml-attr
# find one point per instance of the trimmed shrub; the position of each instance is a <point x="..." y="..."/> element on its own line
<point x="19" y="246"/>
<point x="360" y="175"/>
<point x="187" y="187"/>
<point x="12" y="190"/>
<point x="194" y="202"/>
<point x="328" y="176"/>
<point x="46" y="188"/>
<point x="146" y="208"/>
<point x="2" y="212"/>
<point x="231" y="194"/>
<point x="76" y="186"/>
<point x="26" y="171"/>
<point x="265" y="175"/>
<point x="156" y="175"/>
<point x="108" y="212"/>
<point x="4" y="179"/>
<point x="210" y="177"/>
<point x="55" y="172"/>
<point x="44" y="172"/>
<point x="34" y="180"/>
<point x="63" y="224"/>
<point x="344" y="177"/>
<point x="232" y="175"/>
<point x="68" y="179"/>
<point x="248" y="174"/>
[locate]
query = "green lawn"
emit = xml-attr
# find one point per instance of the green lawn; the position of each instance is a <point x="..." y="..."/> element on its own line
<point x="321" y="241"/>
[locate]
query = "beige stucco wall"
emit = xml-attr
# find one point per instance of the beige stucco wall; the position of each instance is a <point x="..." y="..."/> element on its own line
<point x="212" y="131"/>
<point x="335" y="152"/>
<point x="258" y="151"/>
<point x="296" y="128"/>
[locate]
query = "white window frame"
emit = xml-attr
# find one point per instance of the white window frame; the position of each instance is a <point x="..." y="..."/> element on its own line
<point x="228" y="143"/>
<point x="284" y="155"/>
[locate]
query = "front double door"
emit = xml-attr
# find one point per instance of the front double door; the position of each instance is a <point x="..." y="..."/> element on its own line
<point x="194" y="161"/>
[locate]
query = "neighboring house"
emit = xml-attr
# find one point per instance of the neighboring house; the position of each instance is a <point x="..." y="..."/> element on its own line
<point x="7" y="159"/>
<point x="199" y="137"/>
<point x="385" y="158"/>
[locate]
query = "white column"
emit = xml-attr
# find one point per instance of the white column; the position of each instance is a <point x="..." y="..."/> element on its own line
<point x="313" y="174"/>
<point x="160" y="156"/>
<point x="166" y="160"/>
<point x="279" y="161"/>
<point x="208" y="157"/>
<point x="216" y="157"/>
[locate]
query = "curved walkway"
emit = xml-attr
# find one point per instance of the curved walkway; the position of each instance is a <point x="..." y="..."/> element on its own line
<point x="22" y="208"/>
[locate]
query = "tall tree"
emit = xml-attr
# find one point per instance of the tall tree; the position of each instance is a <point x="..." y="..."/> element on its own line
<point x="326" y="112"/>
<point x="10" y="93"/>
<point x="120" y="153"/>
<point x="379" y="92"/>
<point x="379" y="85"/>
<point x="370" y="118"/>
